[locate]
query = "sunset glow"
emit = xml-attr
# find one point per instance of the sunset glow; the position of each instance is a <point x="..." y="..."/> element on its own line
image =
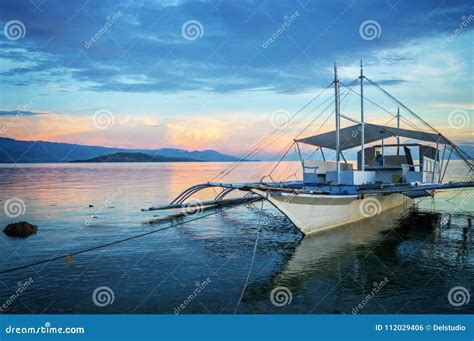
<point x="220" y="90"/>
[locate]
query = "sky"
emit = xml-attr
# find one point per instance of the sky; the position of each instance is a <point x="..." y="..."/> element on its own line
<point x="221" y="74"/>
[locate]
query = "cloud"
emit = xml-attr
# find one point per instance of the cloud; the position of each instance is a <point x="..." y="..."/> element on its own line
<point x="19" y="113"/>
<point x="141" y="68"/>
<point x="131" y="131"/>
<point x="146" y="39"/>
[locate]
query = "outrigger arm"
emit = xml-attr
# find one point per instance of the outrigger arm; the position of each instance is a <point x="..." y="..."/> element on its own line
<point x="412" y="190"/>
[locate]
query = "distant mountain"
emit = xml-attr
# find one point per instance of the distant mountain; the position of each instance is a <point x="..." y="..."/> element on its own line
<point x="205" y="155"/>
<point x="135" y="157"/>
<point x="40" y="151"/>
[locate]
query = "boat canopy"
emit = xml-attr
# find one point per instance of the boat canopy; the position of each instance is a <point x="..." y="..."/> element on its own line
<point x="350" y="137"/>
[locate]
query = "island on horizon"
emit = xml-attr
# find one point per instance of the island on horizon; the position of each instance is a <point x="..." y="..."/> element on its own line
<point x="135" y="157"/>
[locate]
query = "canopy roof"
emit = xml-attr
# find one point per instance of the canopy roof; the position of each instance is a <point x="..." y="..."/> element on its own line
<point x="350" y="137"/>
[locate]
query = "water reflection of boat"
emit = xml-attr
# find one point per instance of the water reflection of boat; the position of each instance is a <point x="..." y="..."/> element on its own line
<point x="312" y="249"/>
<point x="330" y="271"/>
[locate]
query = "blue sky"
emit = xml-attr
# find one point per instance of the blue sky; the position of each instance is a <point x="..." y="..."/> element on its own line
<point x="219" y="88"/>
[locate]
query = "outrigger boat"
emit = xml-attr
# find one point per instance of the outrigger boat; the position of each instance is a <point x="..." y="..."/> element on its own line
<point x="333" y="193"/>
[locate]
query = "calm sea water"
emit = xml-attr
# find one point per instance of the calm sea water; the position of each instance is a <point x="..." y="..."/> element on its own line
<point x="413" y="260"/>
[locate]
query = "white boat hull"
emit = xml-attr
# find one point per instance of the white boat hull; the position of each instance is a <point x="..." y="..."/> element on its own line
<point x="312" y="213"/>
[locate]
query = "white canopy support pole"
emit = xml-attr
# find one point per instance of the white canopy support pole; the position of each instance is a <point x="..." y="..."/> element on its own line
<point x="398" y="126"/>
<point x="362" y="136"/>
<point x="337" y="103"/>
<point x="299" y="154"/>
<point x="345" y="161"/>
<point x="349" y="119"/>
<point x="447" y="163"/>
<point x="322" y="153"/>
<point x="442" y="162"/>
<point x="383" y="149"/>
<point x="437" y="168"/>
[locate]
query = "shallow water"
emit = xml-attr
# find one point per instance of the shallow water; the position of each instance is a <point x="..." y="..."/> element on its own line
<point x="413" y="258"/>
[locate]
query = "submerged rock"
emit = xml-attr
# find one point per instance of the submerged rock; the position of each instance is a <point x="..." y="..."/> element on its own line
<point x="21" y="229"/>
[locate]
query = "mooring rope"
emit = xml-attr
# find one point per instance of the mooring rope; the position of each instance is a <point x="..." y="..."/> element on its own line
<point x="252" y="261"/>
<point x="266" y="139"/>
<point x="108" y="244"/>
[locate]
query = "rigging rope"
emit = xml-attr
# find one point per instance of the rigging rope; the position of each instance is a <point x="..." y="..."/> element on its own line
<point x="252" y="260"/>
<point x="385" y="110"/>
<point x="284" y="131"/>
<point x="108" y="244"/>
<point x="458" y="151"/>
<point x="259" y="174"/>
<point x="345" y="94"/>
<point x="401" y="104"/>
<point x="249" y="153"/>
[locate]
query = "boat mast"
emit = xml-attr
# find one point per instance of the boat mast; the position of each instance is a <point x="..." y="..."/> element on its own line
<point x="337" y="114"/>
<point x="362" y="136"/>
